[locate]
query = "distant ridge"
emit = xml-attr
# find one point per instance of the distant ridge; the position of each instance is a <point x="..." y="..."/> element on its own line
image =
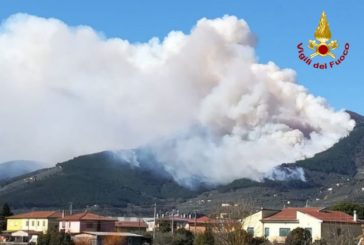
<point x="13" y="169"/>
<point x="96" y="179"/>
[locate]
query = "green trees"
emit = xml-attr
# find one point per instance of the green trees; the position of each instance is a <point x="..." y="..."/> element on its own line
<point x="164" y="226"/>
<point x="163" y="239"/>
<point x="4" y="212"/>
<point x="88" y="177"/>
<point x="299" y="236"/>
<point x="349" y="207"/>
<point x="54" y="237"/>
<point x="164" y="235"/>
<point x="206" y="238"/>
<point x="183" y="237"/>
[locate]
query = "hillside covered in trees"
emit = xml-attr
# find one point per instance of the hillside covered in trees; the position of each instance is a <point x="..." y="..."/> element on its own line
<point x="106" y="179"/>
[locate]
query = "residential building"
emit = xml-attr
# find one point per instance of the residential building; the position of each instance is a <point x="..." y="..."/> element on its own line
<point x="131" y="224"/>
<point x="150" y="223"/>
<point x="175" y="221"/>
<point x="86" y="221"/>
<point x="37" y="221"/>
<point x="200" y="224"/>
<point x="322" y="224"/>
<point x="195" y="225"/>
<point x="254" y="224"/>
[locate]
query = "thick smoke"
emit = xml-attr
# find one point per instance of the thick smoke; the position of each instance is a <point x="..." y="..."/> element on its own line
<point x="285" y="173"/>
<point x="212" y="112"/>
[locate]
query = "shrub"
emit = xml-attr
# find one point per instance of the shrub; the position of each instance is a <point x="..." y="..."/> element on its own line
<point x="299" y="236"/>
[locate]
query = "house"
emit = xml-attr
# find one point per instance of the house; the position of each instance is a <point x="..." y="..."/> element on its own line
<point x="131" y="225"/>
<point x="199" y="225"/>
<point x="150" y="223"/>
<point x="322" y="224"/>
<point x="101" y="238"/>
<point x="195" y="225"/>
<point x="86" y="221"/>
<point x="178" y="222"/>
<point x="37" y="221"/>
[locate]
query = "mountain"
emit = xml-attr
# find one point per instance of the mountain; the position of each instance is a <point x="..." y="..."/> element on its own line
<point x="133" y="178"/>
<point x="345" y="157"/>
<point x="332" y="176"/>
<point x="12" y="169"/>
<point x="97" y="179"/>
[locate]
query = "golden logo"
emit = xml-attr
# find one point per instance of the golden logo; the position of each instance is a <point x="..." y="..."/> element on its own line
<point x="323" y="35"/>
<point x="323" y="46"/>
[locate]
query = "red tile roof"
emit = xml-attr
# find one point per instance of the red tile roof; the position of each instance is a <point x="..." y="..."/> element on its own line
<point x="37" y="215"/>
<point x="175" y="219"/>
<point x="290" y="214"/>
<point x="86" y="216"/>
<point x="131" y="224"/>
<point x="332" y="216"/>
<point x="203" y="219"/>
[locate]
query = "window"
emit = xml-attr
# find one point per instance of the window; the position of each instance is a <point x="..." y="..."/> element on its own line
<point x="250" y="230"/>
<point x="38" y="223"/>
<point x="33" y="223"/>
<point x="44" y="223"/>
<point x="266" y="232"/>
<point x="284" y="231"/>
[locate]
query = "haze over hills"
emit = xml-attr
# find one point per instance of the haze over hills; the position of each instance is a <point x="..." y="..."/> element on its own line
<point x="99" y="178"/>
<point x="135" y="178"/>
<point x="15" y="168"/>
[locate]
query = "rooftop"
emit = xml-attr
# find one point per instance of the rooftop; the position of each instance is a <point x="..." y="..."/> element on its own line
<point x="290" y="214"/>
<point x="86" y="216"/>
<point x="131" y="224"/>
<point x="37" y="215"/>
<point x="100" y="233"/>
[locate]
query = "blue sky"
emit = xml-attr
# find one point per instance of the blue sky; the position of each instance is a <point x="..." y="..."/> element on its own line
<point x="279" y="26"/>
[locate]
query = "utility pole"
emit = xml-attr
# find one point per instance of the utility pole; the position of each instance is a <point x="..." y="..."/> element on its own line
<point x="155" y="213"/>
<point x="70" y="208"/>
<point x="139" y="223"/>
<point x="195" y="221"/>
<point x="172" y="228"/>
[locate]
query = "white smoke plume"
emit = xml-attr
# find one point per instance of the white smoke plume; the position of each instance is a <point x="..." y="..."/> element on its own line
<point x="284" y="173"/>
<point x="67" y="91"/>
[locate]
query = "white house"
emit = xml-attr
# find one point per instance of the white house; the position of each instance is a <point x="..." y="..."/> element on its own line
<point x="87" y="221"/>
<point x="323" y="224"/>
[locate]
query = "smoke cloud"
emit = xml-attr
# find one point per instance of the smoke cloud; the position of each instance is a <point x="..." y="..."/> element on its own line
<point x="284" y="173"/>
<point x="200" y="101"/>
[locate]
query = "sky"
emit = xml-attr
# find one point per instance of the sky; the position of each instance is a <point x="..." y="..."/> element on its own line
<point x="278" y="25"/>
